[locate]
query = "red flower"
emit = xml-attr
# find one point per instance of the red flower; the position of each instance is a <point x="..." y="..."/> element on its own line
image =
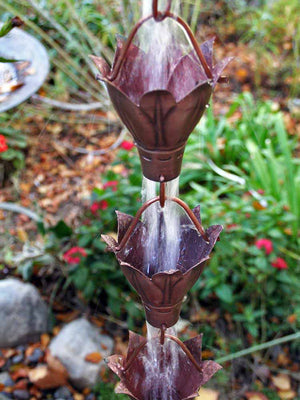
<point x="279" y="263"/>
<point x="112" y="184"/>
<point x="127" y="145"/>
<point x="231" y="227"/>
<point x="78" y="252"/>
<point x="3" y="145"/>
<point x="260" y="191"/>
<point x="99" y="205"/>
<point x="265" y="244"/>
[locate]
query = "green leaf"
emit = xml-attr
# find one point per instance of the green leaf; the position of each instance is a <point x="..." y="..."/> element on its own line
<point x="61" y="230"/>
<point x="224" y="292"/>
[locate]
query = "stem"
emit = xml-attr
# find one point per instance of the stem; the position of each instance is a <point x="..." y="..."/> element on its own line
<point x="21" y="210"/>
<point x="259" y="347"/>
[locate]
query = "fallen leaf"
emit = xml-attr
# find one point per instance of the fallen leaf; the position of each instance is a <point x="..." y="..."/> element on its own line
<point x="287" y="395"/>
<point x="94" y="358"/>
<point x="55" y="364"/>
<point x="45" y="378"/>
<point x="45" y="340"/>
<point x="2" y="386"/>
<point x="207" y="394"/>
<point x="282" y="382"/>
<point x="255" y="396"/>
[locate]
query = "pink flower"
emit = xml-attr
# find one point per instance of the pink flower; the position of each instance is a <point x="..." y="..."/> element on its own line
<point x="279" y="263"/>
<point x="3" y="144"/>
<point x="74" y="255"/>
<point x="264" y="244"/>
<point x="127" y="145"/>
<point x="98" y="205"/>
<point x="260" y="191"/>
<point x="112" y="184"/>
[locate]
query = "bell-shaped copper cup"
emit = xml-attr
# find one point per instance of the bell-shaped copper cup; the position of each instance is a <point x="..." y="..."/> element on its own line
<point x="163" y="292"/>
<point x="161" y="120"/>
<point x="192" y="372"/>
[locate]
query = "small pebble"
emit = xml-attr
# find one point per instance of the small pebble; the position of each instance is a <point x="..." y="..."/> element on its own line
<point x="62" y="392"/>
<point x="35" y="356"/>
<point x="17" y="359"/>
<point x="5" y="396"/>
<point x="21" y="394"/>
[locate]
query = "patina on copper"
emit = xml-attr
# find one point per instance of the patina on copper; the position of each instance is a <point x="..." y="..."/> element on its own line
<point x="162" y="293"/>
<point x="192" y="374"/>
<point x="161" y="120"/>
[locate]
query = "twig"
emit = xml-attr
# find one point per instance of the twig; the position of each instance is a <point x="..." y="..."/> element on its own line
<point x="20" y="210"/>
<point x="259" y="347"/>
<point x="68" y="106"/>
<point x="82" y="150"/>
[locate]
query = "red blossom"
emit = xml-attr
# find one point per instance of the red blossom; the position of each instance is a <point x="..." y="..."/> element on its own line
<point x="264" y="244"/>
<point x="112" y="184"/>
<point x="260" y="191"/>
<point x="127" y="145"/>
<point x="98" y="205"/>
<point x="3" y="144"/>
<point x="74" y="255"/>
<point x="231" y="226"/>
<point x="279" y="263"/>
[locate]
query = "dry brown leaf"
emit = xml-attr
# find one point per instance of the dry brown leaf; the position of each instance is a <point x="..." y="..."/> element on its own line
<point x="255" y="396"/>
<point x="45" y="378"/>
<point x="45" y="340"/>
<point x="287" y="395"/>
<point x="55" y="365"/>
<point x="94" y="358"/>
<point x="207" y="394"/>
<point x="282" y="382"/>
<point x="78" y="396"/>
<point x="2" y="386"/>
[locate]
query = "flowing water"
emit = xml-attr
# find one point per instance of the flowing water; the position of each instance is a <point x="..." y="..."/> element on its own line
<point x="161" y="364"/>
<point x="162" y="236"/>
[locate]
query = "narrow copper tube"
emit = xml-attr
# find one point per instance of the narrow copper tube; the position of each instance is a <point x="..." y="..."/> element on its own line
<point x="148" y="203"/>
<point x="135" y="221"/>
<point x="191" y="216"/>
<point x="185" y="349"/>
<point x="162" y="194"/>
<point x="159" y="16"/>
<point x="168" y="336"/>
<point x="162" y="334"/>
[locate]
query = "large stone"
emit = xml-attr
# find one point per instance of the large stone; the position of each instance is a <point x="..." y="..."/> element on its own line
<point x="23" y="313"/>
<point x="71" y="346"/>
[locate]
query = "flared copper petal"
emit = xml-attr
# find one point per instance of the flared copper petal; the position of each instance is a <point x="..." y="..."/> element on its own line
<point x="102" y="66"/>
<point x="218" y="69"/>
<point x="194" y="76"/>
<point x="207" y="51"/>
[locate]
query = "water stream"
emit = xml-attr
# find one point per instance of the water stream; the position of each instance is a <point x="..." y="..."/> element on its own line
<point x="162" y="237"/>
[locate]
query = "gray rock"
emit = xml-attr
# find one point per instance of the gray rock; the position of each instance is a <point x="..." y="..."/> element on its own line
<point x="73" y="343"/>
<point x="23" y="313"/>
<point x="4" y="377"/>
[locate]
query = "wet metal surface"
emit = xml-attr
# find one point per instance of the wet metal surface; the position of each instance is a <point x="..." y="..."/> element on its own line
<point x="19" y="81"/>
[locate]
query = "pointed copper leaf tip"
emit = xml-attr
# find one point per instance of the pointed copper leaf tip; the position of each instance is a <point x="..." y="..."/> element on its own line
<point x="102" y="65"/>
<point x="137" y="383"/>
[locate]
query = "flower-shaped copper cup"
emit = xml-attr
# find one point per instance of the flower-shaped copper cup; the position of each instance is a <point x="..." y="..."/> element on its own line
<point x="163" y="292"/>
<point x="161" y="120"/>
<point x="192" y="372"/>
